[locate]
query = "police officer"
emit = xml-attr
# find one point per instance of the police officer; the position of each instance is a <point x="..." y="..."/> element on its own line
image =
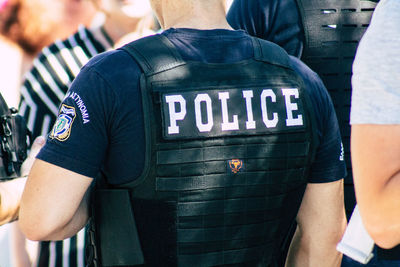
<point x="325" y="35"/>
<point x="205" y="146"/>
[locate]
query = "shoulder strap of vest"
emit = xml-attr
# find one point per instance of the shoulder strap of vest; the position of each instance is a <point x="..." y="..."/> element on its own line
<point x="269" y="52"/>
<point x="154" y="54"/>
<point x="167" y="57"/>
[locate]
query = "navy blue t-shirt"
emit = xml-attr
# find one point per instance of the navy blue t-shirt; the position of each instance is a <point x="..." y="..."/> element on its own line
<point x="277" y="21"/>
<point x="101" y="119"/>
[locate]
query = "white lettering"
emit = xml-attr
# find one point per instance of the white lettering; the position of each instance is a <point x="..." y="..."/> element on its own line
<point x="290" y="107"/>
<point x="173" y="115"/>
<point x="203" y="127"/>
<point x="269" y="123"/>
<point x="226" y="125"/>
<point x="250" y="123"/>
<point x="81" y="105"/>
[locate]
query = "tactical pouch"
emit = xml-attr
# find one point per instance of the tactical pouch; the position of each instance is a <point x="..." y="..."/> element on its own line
<point x="14" y="142"/>
<point x="115" y="229"/>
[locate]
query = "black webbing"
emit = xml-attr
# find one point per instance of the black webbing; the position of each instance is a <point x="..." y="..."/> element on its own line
<point x="224" y="153"/>
<point x="154" y="54"/>
<point x="269" y="52"/>
<point x="333" y="30"/>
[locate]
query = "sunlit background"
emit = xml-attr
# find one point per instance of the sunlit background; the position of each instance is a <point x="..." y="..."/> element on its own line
<point x="10" y="73"/>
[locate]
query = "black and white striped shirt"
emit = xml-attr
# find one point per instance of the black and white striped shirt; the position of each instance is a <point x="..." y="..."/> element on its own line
<point x="42" y="91"/>
<point x="53" y="71"/>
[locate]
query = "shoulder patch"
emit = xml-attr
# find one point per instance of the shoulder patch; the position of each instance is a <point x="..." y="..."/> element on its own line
<point x="62" y="127"/>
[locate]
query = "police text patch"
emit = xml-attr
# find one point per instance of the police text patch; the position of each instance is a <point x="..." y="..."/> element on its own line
<point x="213" y="113"/>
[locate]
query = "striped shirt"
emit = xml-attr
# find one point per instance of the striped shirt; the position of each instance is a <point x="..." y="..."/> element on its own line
<point x="52" y="72"/>
<point x="42" y="91"/>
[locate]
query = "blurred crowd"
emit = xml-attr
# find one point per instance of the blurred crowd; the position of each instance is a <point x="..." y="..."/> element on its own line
<point x="45" y="43"/>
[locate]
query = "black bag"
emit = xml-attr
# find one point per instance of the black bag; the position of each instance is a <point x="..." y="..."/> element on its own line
<point x="15" y="139"/>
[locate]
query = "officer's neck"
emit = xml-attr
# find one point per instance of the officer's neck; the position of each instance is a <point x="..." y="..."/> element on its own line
<point x="196" y="16"/>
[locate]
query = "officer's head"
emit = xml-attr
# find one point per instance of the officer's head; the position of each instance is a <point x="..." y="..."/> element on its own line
<point x="181" y="8"/>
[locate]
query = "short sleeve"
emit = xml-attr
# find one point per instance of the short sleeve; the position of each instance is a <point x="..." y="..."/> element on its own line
<point x="78" y="140"/>
<point x="376" y="79"/>
<point x="329" y="164"/>
<point x="100" y="124"/>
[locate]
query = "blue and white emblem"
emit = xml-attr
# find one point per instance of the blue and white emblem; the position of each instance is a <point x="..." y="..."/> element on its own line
<point x="62" y="127"/>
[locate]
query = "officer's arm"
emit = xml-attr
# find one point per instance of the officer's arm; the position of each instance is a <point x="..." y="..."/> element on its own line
<point x="54" y="204"/>
<point x="321" y="222"/>
<point x="376" y="169"/>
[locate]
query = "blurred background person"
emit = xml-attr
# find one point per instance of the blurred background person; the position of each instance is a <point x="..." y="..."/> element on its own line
<point x="45" y="85"/>
<point x="10" y="195"/>
<point x="375" y="125"/>
<point x="54" y="69"/>
<point x="325" y="35"/>
<point x="26" y="26"/>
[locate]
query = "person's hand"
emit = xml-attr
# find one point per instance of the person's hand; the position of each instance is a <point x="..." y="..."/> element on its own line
<point x="36" y="146"/>
<point x="11" y="191"/>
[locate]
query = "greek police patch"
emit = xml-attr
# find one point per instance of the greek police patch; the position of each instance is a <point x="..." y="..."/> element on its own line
<point x="62" y="127"/>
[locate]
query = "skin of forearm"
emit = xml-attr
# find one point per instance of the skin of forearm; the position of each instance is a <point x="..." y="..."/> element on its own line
<point x="321" y="222"/>
<point x="10" y="196"/>
<point x="305" y="251"/>
<point x="376" y="171"/>
<point x="70" y="228"/>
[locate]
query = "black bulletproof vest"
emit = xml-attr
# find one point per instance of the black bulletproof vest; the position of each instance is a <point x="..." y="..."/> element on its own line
<point x="228" y="154"/>
<point x="333" y="29"/>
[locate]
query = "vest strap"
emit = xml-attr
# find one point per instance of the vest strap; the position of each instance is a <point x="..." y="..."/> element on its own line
<point x="154" y="54"/>
<point x="143" y="52"/>
<point x="269" y="52"/>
